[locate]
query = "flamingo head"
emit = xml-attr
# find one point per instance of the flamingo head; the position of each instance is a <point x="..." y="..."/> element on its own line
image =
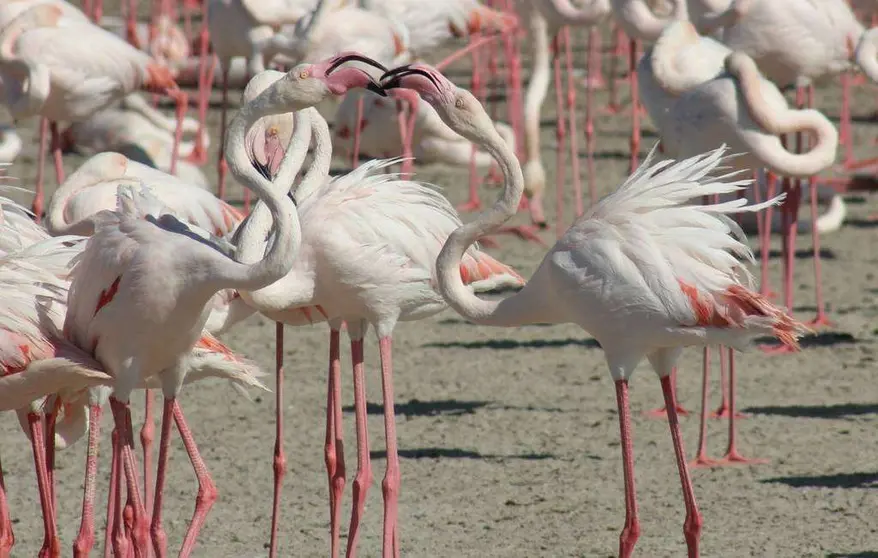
<point x="457" y="107"/>
<point x="322" y="79"/>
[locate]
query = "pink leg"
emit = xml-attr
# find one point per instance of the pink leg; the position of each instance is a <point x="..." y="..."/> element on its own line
<point x="732" y="455"/>
<point x="631" y="531"/>
<point x="85" y="539"/>
<point x="573" y="118"/>
<point x="821" y="318"/>
<point x="51" y="421"/>
<point x="113" y="497"/>
<point x="157" y="532"/>
<point x="390" y="485"/>
<point x="474" y="203"/>
<point x="723" y="409"/>
<point x="594" y="61"/>
<point x="613" y="106"/>
<point x="198" y="155"/>
<point x="561" y="136"/>
<point x="147" y="435"/>
<point x="280" y="460"/>
<point x="694" y="521"/>
<point x="765" y="237"/>
<point x="39" y="196"/>
<point x="121" y="542"/>
<point x="701" y="459"/>
<point x="140" y="525"/>
<point x="182" y="100"/>
<point x="207" y="492"/>
<point x="844" y="136"/>
<point x="56" y="153"/>
<point x="131" y="25"/>
<point x="7" y="537"/>
<point x="334" y="448"/>
<point x="595" y="77"/>
<point x="222" y="167"/>
<point x="51" y="545"/>
<point x="363" y="478"/>
<point x="659" y="413"/>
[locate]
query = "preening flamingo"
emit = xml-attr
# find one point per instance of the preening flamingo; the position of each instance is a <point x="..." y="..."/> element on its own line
<point x="66" y="70"/>
<point x="644" y="272"/>
<point x="404" y="224"/>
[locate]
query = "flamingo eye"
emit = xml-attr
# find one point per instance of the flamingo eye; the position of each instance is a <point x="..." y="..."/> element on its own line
<point x="303" y="74"/>
<point x="459" y="103"/>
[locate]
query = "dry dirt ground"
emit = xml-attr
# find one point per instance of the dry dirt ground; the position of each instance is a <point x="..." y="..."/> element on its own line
<point x="509" y="437"/>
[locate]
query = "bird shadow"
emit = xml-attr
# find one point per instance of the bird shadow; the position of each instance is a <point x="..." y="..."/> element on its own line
<point x="862" y="223"/>
<point x="457" y="453"/>
<point x="447" y="407"/>
<point x="865" y="554"/>
<point x="513" y="344"/>
<point x="825" y="339"/>
<point x="835" y="480"/>
<point x="459" y="321"/>
<point x="804" y="254"/>
<point x="816" y="411"/>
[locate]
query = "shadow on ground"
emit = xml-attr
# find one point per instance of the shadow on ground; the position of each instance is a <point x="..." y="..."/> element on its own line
<point x="817" y="411"/>
<point x="457" y="453"/>
<point x="448" y="407"/>
<point x="513" y="344"/>
<point x="836" y="480"/>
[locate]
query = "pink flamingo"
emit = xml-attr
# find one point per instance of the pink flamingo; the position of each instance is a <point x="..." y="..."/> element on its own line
<point x="643" y="271"/>
<point x="68" y="72"/>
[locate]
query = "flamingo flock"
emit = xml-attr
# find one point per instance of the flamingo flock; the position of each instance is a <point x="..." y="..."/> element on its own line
<point x="125" y="279"/>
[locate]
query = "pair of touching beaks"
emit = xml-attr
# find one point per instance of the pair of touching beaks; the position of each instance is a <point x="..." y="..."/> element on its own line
<point x="391" y="78"/>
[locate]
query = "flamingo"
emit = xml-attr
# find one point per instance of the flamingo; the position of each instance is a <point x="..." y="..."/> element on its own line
<point x="643" y="271"/>
<point x="135" y="127"/>
<point x="404" y="223"/>
<point x="67" y="70"/>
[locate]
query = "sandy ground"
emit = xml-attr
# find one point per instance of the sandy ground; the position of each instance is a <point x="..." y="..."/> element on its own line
<point x="509" y="437"/>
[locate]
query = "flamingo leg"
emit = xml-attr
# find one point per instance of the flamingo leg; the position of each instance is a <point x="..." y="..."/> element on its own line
<point x="182" y="100"/>
<point x="658" y="413"/>
<point x="280" y="460"/>
<point x="157" y="532"/>
<point x="51" y="421"/>
<point x="631" y="531"/>
<point x="334" y="447"/>
<point x="723" y="409"/>
<point x="56" y="152"/>
<point x="39" y="196"/>
<point x="7" y="537"/>
<point x="131" y="25"/>
<point x="390" y="484"/>
<point x="85" y="539"/>
<point x="207" y="492"/>
<point x="594" y="62"/>
<point x="206" y="69"/>
<point x="474" y="203"/>
<point x="765" y="237"/>
<point x="701" y="459"/>
<point x="560" y="137"/>
<point x="732" y="455"/>
<point x="222" y="167"/>
<point x="139" y="530"/>
<point x="821" y="318"/>
<point x="51" y="545"/>
<point x="147" y="435"/>
<point x="363" y="478"/>
<point x="694" y="521"/>
<point x="613" y="105"/>
<point x="113" y="496"/>
<point x="573" y="118"/>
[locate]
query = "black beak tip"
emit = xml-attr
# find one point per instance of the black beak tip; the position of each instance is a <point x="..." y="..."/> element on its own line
<point x="377" y="89"/>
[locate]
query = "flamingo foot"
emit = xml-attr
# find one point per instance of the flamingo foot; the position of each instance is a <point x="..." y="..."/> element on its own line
<point x="723" y="412"/>
<point x="663" y="412"/>
<point x="821" y="319"/>
<point x="612" y="108"/>
<point x="702" y="461"/>
<point x="735" y="458"/>
<point x="198" y="156"/>
<point x="470" y="206"/>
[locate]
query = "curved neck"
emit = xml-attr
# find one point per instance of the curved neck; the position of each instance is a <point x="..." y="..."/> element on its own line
<point x="100" y="169"/>
<point x="280" y="257"/>
<point x="538" y="86"/>
<point x="448" y="263"/>
<point x="251" y="236"/>
<point x="318" y="170"/>
<point x="783" y="121"/>
<point x="25" y="87"/>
